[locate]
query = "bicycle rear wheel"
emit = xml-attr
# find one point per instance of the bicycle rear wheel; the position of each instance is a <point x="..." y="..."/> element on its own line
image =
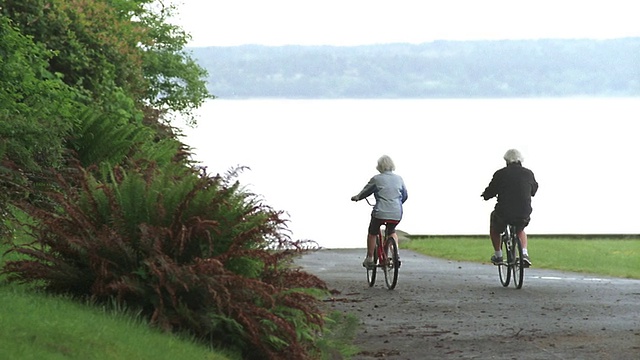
<point x="504" y="269"/>
<point x="371" y="271"/>
<point x="391" y="266"/>
<point x="518" y="264"/>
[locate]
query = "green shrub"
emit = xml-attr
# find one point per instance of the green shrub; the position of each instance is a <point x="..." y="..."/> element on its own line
<point x="194" y="253"/>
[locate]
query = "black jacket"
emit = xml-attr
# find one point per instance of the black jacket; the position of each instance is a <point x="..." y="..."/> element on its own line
<point x="514" y="185"/>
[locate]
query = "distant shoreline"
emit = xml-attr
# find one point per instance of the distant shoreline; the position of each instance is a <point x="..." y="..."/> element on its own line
<point x="434" y="70"/>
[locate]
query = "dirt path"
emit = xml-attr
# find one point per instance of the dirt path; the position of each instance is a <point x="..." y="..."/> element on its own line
<point x="458" y="310"/>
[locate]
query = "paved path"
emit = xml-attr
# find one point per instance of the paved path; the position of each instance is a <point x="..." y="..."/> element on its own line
<point x="459" y="310"/>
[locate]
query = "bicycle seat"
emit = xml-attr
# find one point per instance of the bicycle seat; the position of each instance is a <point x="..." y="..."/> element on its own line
<point x="517" y="222"/>
<point x="389" y="221"/>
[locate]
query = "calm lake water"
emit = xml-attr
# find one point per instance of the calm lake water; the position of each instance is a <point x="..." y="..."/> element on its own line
<point x="308" y="157"/>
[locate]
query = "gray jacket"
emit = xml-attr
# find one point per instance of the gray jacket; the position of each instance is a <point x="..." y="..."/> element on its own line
<point x="390" y="193"/>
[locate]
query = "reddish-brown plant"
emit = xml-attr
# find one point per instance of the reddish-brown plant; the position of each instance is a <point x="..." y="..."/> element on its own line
<point x="193" y="253"/>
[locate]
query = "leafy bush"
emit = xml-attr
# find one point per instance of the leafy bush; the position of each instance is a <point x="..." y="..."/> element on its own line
<point x="36" y="106"/>
<point x="107" y="49"/>
<point x="193" y="252"/>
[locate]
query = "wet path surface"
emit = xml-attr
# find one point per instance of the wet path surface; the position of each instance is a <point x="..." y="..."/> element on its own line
<point x="459" y="310"/>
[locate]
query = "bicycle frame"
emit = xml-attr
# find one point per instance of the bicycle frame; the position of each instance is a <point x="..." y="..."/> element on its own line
<point x="385" y="256"/>
<point x="382" y="242"/>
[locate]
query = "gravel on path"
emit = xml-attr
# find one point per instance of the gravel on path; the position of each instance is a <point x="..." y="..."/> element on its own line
<point x="459" y="310"/>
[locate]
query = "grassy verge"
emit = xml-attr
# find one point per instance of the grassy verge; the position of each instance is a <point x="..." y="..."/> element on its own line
<point x="34" y="325"/>
<point x="339" y="334"/>
<point x="610" y="257"/>
<point x="37" y="326"/>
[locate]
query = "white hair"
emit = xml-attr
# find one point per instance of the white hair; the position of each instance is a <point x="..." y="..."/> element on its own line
<point x="513" y="156"/>
<point x="385" y="164"/>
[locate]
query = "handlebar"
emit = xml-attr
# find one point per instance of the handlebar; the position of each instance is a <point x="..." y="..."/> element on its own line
<point x="353" y="198"/>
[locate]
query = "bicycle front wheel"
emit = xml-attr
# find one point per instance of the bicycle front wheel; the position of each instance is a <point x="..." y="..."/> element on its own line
<point x="392" y="264"/>
<point x="504" y="269"/>
<point x="518" y="264"/>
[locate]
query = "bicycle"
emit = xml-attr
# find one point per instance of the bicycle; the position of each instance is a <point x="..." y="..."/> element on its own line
<point x="512" y="247"/>
<point x="385" y="257"/>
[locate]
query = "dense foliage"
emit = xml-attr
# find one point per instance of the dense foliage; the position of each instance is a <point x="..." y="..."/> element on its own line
<point x="440" y="69"/>
<point x="36" y="106"/>
<point x="115" y="49"/>
<point x="113" y="206"/>
<point x="61" y="59"/>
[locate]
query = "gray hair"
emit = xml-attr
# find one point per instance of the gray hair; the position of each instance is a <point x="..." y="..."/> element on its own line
<point x="513" y="156"/>
<point x="385" y="164"/>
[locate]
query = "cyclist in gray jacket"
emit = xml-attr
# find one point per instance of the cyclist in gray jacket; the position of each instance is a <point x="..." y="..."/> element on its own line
<point x="390" y="193"/>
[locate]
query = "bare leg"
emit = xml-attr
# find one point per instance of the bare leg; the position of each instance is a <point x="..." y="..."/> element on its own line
<point x="523" y="238"/>
<point x="371" y="244"/>
<point x="495" y="239"/>
<point x="395" y="237"/>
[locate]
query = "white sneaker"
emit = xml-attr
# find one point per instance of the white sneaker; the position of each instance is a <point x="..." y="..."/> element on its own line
<point x="368" y="262"/>
<point x="526" y="261"/>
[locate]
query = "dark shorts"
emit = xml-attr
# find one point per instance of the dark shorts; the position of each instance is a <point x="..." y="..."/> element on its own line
<point x="498" y="223"/>
<point x="374" y="226"/>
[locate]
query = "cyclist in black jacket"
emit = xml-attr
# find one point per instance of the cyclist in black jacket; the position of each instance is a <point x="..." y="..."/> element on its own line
<point x="513" y="185"/>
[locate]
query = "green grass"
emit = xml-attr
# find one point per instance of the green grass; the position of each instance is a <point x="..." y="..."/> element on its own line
<point x="339" y="333"/>
<point x="38" y="326"/>
<point x="610" y="257"/>
<point x="34" y="325"/>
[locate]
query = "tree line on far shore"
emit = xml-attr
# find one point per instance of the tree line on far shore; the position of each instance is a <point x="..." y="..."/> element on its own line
<point x="439" y="69"/>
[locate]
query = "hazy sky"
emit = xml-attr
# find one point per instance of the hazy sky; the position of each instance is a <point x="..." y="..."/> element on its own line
<point x="357" y="22"/>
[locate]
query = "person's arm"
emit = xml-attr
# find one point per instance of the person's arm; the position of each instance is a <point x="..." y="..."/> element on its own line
<point x="405" y="194"/>
<point x="534" y="185"/>
<point x="368" y="189"/>
<point x="491" y="190"/>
